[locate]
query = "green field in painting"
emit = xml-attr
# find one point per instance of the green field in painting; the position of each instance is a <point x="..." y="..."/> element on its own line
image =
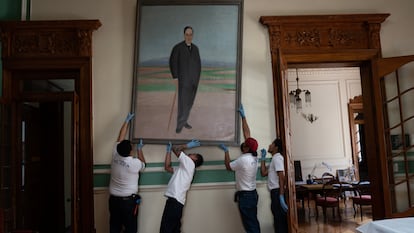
<point x="155" y="79"/>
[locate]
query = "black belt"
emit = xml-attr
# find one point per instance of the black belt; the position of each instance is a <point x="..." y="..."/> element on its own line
<point x="245" y="191"/>
<point x="132" y="197"/>
<point x="238" y="193"/>
<point x="275" y="190"/>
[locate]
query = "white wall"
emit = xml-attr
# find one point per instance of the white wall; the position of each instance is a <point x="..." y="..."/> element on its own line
<point x="113" y="47"/>
<point x="326" y="140"/>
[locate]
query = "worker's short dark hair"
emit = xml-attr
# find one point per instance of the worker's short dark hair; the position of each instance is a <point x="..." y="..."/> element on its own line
<point x="124" y="148"/>
<point x="199" y="160"/>
<point x="278" y="142"/>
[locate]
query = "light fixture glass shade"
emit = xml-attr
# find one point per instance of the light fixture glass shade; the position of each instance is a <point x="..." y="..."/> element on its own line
<point x="291" y="97"/>
<point x="307" y="97"/>
<point x="298" y="103"/>
<point x="294" y="96"/>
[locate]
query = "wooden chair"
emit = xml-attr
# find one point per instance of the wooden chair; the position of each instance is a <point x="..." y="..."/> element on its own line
<point x="327" y="177"/>
<point x="362" y="196"/>
<point x="330" y="198"/>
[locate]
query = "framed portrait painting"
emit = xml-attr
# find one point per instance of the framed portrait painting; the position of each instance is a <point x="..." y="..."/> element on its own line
<point x="187" y="71"/>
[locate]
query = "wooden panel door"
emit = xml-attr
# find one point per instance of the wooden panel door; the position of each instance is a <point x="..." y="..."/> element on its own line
<point x="74" y="203"/>
<point x="394" y="97"/>
<point x="357" y="132"/>
<point x="40" y="191"/>
<point x="38" y="200"/>
<point x="5" y="166"/>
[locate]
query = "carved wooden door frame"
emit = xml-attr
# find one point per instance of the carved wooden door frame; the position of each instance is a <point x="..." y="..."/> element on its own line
<point x="61" y="46"/>
<point x="326" y="41"/>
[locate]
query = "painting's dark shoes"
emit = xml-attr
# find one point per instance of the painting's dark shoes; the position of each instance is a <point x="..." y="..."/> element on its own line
<point x="178" y="130"/>
<point x="187" y="126"/>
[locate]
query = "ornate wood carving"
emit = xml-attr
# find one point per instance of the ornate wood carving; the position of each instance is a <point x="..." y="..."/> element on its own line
<point x="356" y="100"/>
<point x="341" y="38"/>
<point x="47" y="38"/>
<point x="327" y="32"/>
<point x="303" y="38"/>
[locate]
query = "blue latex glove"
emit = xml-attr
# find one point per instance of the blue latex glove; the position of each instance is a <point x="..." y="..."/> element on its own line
<point x="129" y="117"/>
<point x="193" y="143"/>
<point x="283" y="202"/>
<point x="224" y="147"/>
<point x="263" y="153"/>
<point x="169" y="146"/>
<point x="241" y="111"/>
<point x="140" y="145"/>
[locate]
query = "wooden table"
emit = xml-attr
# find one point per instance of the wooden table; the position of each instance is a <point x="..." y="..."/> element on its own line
<point x="311" y="190"/>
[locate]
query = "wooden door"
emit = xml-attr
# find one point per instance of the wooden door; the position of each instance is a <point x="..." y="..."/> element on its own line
<point x="393" y="89"/>
<point x="357" y="132"/>
<point x="41" y="158"/>
<point x="5" y="165"/>
<point x="74" y="204"/>
<point x="47" y="190"/>
<point x="282" y="116"/>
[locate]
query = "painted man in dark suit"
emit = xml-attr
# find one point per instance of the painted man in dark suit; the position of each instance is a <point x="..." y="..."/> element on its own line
<point x="185" y="65"/>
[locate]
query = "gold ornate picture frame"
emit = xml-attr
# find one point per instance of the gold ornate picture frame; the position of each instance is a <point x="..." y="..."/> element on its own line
<point x="217" y="32"/>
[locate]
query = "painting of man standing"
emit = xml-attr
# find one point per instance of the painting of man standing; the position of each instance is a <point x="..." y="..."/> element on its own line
<point x="185" y="66"/>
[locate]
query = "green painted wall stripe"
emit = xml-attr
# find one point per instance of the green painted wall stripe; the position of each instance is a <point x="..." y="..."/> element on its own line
<point x="161" y="164"/>
<point x="162" y="178"/>
<point x="101" y="180"/>
<point x="101" y="166"/>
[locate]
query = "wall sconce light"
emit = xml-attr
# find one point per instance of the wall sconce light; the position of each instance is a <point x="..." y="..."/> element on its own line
<point x="310" y="117"/>
<point x="294" y="95"/>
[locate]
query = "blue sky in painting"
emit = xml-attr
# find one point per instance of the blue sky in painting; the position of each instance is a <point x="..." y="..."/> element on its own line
<point x="215" y="31"/>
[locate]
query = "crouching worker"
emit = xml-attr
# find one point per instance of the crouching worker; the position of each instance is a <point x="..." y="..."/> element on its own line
<point x="178" y="185"/>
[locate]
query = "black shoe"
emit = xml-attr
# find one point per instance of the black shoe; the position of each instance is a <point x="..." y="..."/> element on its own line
<point x="187" y="126"/>
<point x="178" y="130"/>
